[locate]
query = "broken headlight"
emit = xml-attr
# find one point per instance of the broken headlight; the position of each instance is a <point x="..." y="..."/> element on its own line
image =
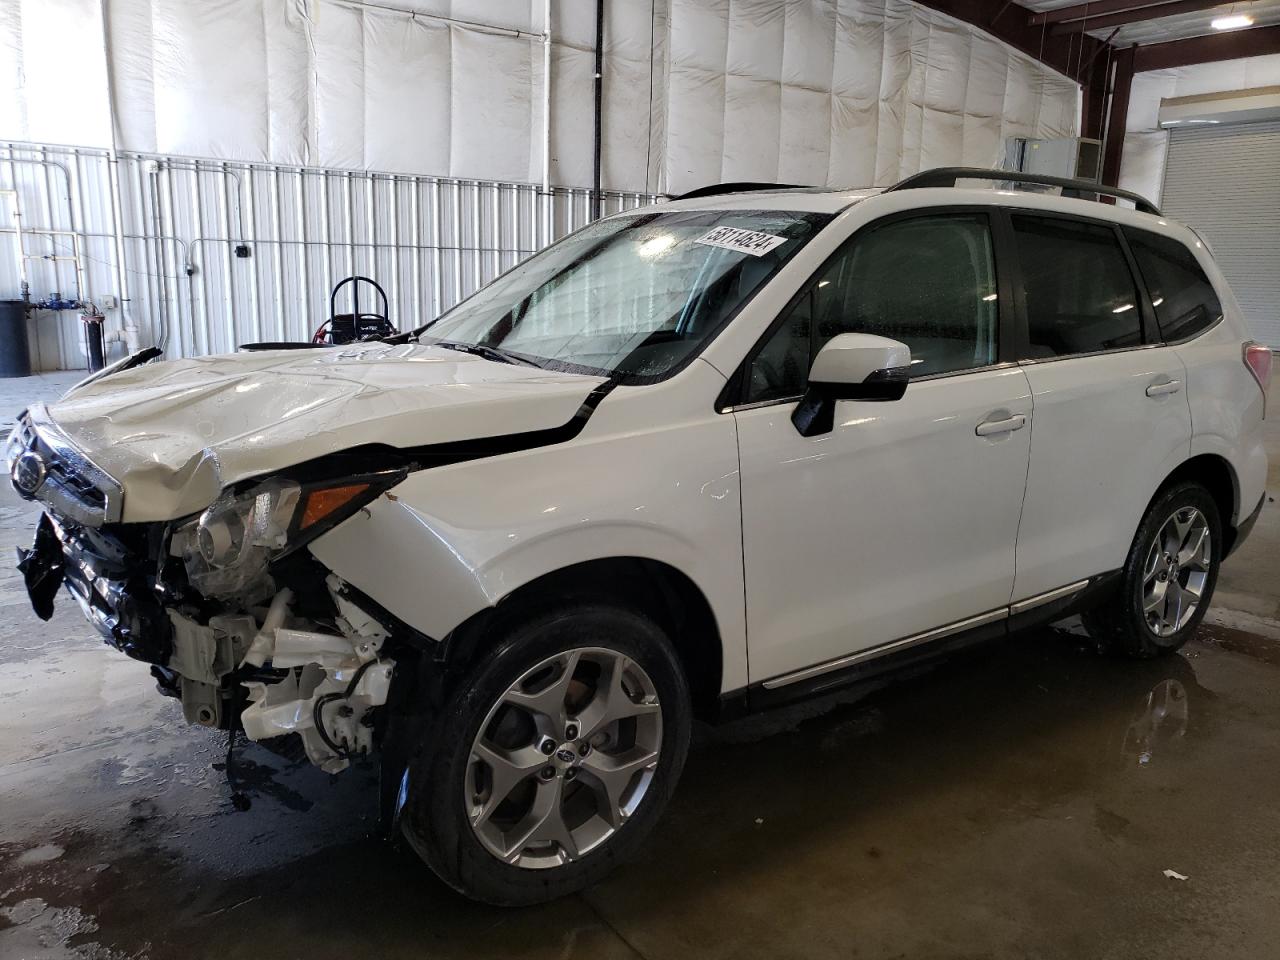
<point x="227" y="548"/>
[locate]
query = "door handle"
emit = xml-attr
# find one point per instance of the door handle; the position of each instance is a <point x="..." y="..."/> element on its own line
<point x="992" y="428"/>
<point x="1164" y="389"/>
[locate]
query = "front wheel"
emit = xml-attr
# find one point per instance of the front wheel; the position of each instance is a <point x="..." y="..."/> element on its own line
<point x="1169" y="576"/>
<point x="553" y="758"/>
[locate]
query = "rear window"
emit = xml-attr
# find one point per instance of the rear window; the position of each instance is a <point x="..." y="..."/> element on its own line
<point x="1180" y="292"/>
<point x="1080" y="295"/>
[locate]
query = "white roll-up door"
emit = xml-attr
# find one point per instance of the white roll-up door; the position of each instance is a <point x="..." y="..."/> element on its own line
<point x="1224" y="180"/>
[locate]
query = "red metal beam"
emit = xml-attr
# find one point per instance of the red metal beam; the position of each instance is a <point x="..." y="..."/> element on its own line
<point x="1229" y="45"/>
<point x="1093" y="107"/>
<point x="1113" y="149"/>
<point x="1090" y="10"/>
<point x="1135" y="16"/>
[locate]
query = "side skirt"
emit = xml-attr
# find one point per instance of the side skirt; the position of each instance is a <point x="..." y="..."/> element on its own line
<point x="918" y="649"/>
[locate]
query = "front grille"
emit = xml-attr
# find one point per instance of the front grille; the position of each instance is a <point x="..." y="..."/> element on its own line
<point x="80" y="487"/>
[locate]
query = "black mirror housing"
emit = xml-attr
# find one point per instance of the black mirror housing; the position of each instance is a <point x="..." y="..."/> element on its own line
<point x="814" y="415"/>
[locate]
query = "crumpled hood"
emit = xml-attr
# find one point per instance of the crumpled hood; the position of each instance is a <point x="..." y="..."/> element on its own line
<point x="175" y="434"/>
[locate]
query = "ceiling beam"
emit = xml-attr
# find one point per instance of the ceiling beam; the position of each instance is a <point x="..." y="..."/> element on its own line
<point x="1136" y="15"/>
<point x="1008" y="22"/>
<point x="1081" y="10"/>
<point x="1228" y="45"/>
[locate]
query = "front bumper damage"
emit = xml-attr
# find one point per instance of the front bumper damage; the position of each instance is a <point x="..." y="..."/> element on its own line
<point x="317" y="666"/>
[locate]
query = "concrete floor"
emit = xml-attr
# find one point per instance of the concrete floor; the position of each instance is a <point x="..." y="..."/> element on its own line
<point x="1023" y="801"/>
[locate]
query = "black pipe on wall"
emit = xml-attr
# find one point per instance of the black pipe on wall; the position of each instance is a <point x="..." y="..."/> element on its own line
<point x="93" y="341"/>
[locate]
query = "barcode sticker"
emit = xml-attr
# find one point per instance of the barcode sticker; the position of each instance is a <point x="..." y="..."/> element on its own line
<point x="743" y="241"/>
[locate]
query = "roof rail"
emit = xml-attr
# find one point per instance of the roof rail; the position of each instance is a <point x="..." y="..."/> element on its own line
<point x="715" y="189"/>
<point x="947" y="177"/>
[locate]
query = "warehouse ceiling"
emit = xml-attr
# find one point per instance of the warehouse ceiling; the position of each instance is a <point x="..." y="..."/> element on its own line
<point x="1126" y="22"/>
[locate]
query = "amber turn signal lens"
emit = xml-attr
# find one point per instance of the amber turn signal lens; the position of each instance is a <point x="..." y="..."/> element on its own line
<point x="321" y="503"/>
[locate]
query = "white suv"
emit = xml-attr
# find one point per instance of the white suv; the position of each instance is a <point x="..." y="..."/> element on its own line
<point x="694" y="459"/>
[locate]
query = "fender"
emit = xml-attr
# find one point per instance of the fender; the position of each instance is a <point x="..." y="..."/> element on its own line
<point x="451" y="541"/>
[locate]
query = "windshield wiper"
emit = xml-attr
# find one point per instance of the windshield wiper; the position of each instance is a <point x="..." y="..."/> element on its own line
<point x="489" y="353"/>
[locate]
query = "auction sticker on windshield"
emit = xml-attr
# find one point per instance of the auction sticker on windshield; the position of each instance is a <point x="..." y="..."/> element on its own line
<point x="743" y="241"/>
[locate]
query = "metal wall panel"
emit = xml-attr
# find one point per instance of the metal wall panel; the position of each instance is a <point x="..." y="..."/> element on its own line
<point x="430" y="241"/>
<point x="1224" y="180"/>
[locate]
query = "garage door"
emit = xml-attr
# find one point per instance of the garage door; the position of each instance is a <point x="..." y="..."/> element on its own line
<point x="1225" y="181"/>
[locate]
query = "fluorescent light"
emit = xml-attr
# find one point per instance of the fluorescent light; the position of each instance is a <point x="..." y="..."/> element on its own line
<point x="1123" y="308"/>
<point x="1233" y="22"/>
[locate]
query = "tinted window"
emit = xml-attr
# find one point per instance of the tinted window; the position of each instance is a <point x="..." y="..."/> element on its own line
<point x="1080" y="293"/>
<point x="929" y="282"/>
<point x="1182" y="295"/>
<point x="781" y="368"/>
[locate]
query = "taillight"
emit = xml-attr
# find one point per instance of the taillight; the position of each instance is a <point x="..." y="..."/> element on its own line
<point x="1258" y="359"/>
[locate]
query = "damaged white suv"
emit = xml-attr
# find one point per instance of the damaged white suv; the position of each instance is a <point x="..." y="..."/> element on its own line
<point x="694" y="459"/>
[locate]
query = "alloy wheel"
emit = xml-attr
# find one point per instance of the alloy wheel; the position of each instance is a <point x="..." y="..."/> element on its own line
<point x="1177" y="568"/>
<point x="563" y="758"/>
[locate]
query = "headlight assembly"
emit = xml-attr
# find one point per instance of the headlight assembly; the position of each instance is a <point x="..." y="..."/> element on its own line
<point x="226" y="550"/>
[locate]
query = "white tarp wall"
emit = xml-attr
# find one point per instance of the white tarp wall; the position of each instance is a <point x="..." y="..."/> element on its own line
<point x="1145" y="144"/>
<point x="401" y="142"/>
<point x="841" y="92"/>
<point x="845" y="94"/>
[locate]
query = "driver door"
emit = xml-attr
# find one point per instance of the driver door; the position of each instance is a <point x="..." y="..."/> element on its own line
<point x="903" y="519"/>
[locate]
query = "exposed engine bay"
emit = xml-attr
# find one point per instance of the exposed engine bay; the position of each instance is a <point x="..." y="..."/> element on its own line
<point x="294" y="678"/>
<point x="275" y="646"/>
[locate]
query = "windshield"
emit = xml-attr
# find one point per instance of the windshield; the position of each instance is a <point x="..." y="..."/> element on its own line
<point x="633" y="297"/>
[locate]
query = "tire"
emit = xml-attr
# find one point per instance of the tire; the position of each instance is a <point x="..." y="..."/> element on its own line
<point x="490" y="753"/>
<point x="1124" y="623"/>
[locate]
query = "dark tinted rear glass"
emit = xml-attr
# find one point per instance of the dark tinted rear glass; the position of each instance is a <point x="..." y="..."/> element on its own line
<point x="1079" y="291"/>
<point x="1182" y="295"/>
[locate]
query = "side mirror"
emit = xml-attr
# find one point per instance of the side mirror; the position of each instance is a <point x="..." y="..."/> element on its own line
<point x="852" y="366"/>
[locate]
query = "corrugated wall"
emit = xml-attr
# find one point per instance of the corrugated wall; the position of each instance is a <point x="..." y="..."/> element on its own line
<point x="219" y="253"/>
<point x="1145" y="143"/>
<point x="1224" y="180"/>
<point x="61" y="201"/>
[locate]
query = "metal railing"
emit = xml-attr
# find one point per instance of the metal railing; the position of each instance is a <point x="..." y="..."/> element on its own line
<point x="219" y="253"/>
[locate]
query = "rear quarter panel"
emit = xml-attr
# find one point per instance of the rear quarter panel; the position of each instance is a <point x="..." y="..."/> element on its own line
<point x="1227" y="407"/>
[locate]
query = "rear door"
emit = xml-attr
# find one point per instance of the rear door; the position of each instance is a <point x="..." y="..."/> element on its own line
<point x="1111" y="413"/>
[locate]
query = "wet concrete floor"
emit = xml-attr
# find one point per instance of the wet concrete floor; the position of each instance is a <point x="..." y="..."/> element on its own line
<point x="1024" y="800"/>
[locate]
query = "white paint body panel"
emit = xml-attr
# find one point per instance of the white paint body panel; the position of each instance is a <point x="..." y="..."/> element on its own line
<point x="1099" y="449"/>
<point x="1227" y="409"/>
<point x="653" y="475"/>
<point x="1226" y="412"/>
<point x="175" y="434"/>
<point x="899" y="520"/>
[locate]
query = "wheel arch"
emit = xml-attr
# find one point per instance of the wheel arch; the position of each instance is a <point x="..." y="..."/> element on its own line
<point x="652" y="587"/>
<point x="1215" y="474"/>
